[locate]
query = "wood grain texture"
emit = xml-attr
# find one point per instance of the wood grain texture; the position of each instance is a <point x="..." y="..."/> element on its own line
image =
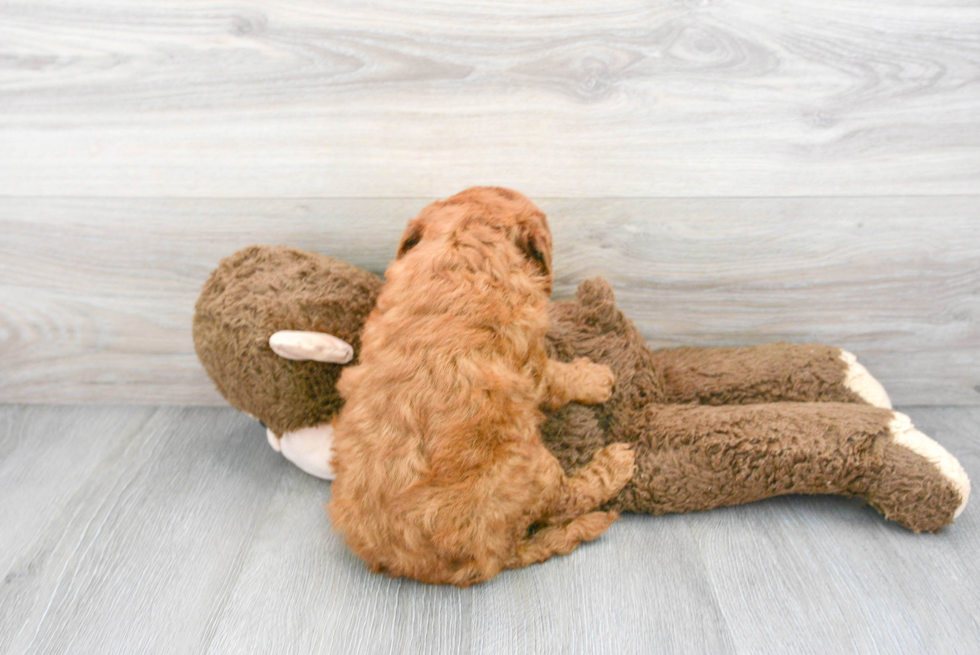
<point x="97" y="294"/>
<point x="141" y="555"/>
<point x="572" y="99"/>
<point x="48" y="457"/>
<point x="179" y="530"/>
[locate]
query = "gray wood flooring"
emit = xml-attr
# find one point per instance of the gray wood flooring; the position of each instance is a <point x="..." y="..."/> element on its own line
<point x="129" y="529"/>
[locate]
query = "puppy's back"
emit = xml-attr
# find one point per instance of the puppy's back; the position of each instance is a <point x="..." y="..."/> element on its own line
<point x="443" y="400"/>
<point x="418" y="412"/>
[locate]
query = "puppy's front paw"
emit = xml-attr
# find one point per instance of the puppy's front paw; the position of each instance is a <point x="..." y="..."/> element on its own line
<point x="595" y="381"/>
<point x="615" y="466"/>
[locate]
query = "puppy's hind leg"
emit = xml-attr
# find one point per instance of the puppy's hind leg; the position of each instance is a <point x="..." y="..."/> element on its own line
<point x="560" y="539"/>
<point x="594" y="484"/>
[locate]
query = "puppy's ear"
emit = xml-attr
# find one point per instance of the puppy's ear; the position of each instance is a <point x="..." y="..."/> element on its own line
<point x="535" y="243"/>
<point x="411" y="238"/>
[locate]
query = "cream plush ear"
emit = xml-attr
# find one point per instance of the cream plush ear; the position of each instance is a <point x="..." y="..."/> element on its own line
<point x="316" y="346"/>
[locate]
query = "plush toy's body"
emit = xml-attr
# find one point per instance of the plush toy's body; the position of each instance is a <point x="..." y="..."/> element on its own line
<point x="711" y="426"/>
<point x="723" y="426"/>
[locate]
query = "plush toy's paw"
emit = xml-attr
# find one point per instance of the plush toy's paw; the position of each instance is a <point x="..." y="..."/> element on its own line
<point x="921" y="485"/>
<point x="614" y="464"/>
<point x="858" y="380"/>
<point x="311" y="346"/>
<point x="310" y="449"/>
<point x="594" y="382"/>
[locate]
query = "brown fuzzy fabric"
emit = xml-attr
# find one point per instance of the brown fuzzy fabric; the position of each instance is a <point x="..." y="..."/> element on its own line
<point x="775" y="372"/>
<point x="712" y="426"/>
<point x="695" y="453"/>
<point x="260" y="290"/>
<point x="909" y="490"/>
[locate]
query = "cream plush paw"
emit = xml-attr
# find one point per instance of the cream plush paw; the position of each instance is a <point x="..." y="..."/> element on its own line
<point x="858" y="380"/>
<point x="916" y="482"/>
<point x="904" y="434"/>
<point x="310" y="449"/>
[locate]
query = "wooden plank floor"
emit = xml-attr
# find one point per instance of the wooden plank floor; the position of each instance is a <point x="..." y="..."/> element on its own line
<point x="177" y="530"/>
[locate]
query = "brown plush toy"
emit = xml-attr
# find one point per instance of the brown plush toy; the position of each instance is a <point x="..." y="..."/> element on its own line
<point x="711" y="426"/>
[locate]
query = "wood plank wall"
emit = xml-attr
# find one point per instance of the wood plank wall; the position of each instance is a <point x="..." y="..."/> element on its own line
<point x="742" y="171"/>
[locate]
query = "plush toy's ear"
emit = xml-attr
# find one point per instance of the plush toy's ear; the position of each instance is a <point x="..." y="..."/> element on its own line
<point x="411" y="238"/>
<point x="535" y="242"/>
<point x="304" y="346"/>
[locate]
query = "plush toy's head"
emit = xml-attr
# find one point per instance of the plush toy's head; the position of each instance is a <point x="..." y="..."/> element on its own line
<point x="263" y="289"/>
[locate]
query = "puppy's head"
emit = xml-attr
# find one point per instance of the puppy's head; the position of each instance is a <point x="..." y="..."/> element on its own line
<point x="487" y="219"/>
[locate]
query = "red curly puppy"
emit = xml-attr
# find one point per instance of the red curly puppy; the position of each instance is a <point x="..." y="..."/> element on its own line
<point x="441" y="473"/>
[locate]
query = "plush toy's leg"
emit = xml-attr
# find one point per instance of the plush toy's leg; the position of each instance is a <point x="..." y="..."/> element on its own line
<point x="695" y="457"/>
<point x="310" y="449"/>
<point x="768" y="373"/>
